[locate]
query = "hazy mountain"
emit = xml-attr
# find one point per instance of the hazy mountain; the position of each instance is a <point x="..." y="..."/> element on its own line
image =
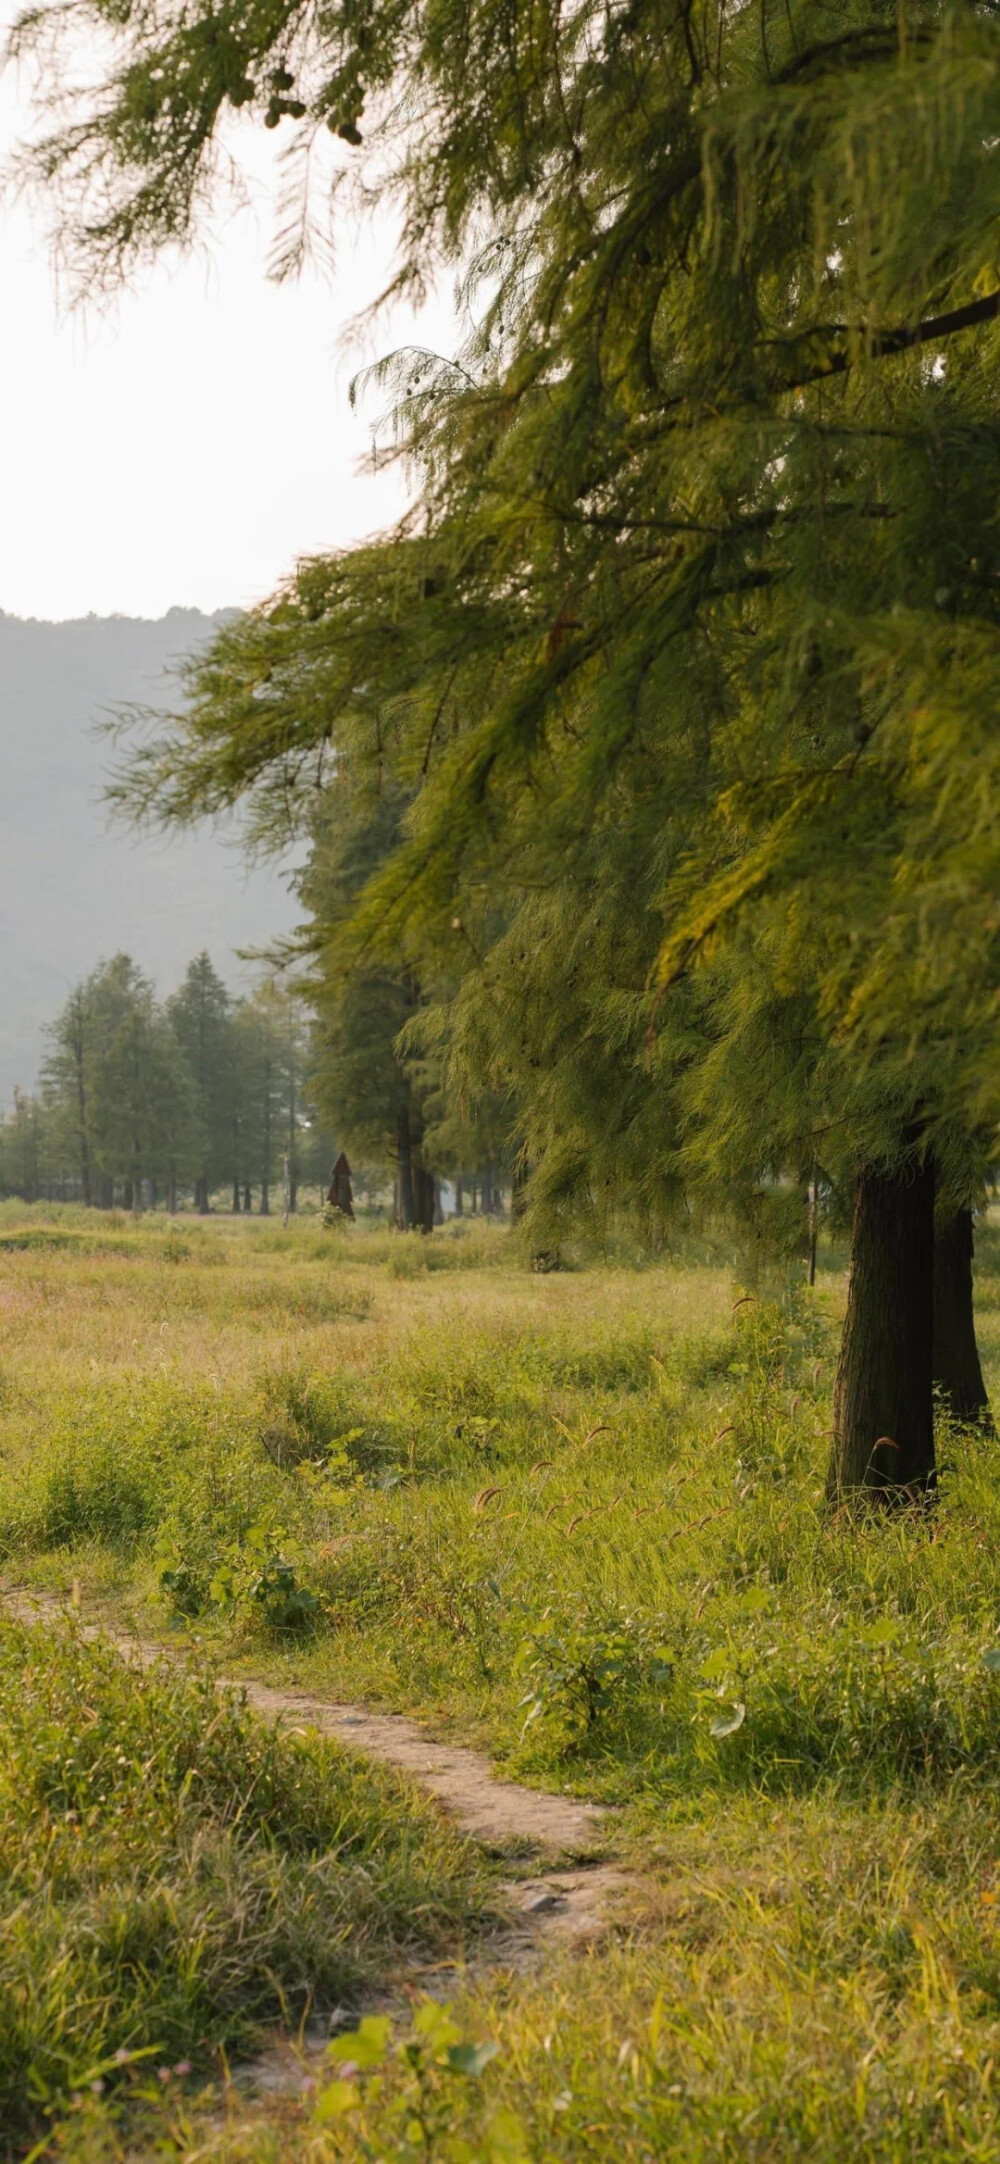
<point x="72" y="887"/>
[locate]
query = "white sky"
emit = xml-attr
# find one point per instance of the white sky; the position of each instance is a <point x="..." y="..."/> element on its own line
<point x="186" y="445"/>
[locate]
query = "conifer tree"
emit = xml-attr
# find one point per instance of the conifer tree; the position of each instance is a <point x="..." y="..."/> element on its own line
<point x="200" y="1019"/>
<point x="712" y="492"/>
<point x="68" y="1079"/>
<point x="139" y="1085"/>
<point x="367" y="1090"/>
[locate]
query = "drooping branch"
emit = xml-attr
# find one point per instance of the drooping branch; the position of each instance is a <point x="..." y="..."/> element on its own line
<point x="881" y="344"/>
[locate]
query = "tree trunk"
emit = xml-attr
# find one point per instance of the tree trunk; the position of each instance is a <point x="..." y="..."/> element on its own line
<point x="404" y="1162"/>
<point x="293" y="1167"/>
<point x="236" y="1195"/>
<point x="458" y="1195"/>
<point x="265" y="1184"/>
<point x="247" y="1197"/>
<point x="957" y="1370"/>
<point x="883" y="1407"/>
<point x="424" y="1194"/>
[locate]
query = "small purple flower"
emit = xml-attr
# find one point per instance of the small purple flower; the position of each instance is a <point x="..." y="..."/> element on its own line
<point x="163" y="2073"/>
<point x="183" y="2066"/>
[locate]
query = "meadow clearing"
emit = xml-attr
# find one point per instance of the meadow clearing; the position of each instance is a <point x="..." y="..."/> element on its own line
<point x="576" y="1518"/>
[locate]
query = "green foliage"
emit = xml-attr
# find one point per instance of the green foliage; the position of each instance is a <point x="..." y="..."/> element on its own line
<point x="678" y="687"/>
<point x="406" y="2092"/>
<point x="580" y="1671"/>
<point x="257" y="1580"/>
<point x="157" y="1103"/>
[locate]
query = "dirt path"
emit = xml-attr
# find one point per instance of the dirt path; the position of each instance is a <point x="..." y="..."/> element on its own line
<point x="574" y="1898"/>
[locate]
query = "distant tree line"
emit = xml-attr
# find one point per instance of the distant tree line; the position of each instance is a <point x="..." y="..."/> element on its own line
<point x="205" y="1099"/>
<point x="144" y="1103"/>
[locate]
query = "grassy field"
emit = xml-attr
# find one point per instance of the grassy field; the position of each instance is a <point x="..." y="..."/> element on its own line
<point x="579" y="1519"/>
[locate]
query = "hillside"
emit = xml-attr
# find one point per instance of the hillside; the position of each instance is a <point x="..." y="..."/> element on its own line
<point x="72" y="888"/>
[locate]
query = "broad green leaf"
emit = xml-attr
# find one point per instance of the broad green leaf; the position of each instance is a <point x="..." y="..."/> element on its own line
<point x="883" y="1633"/>
<point x="363" y="2046"/>
<point x="336" y="2098"/>
<point x="471" y="2058"/>
<point x="435" y="2025"/>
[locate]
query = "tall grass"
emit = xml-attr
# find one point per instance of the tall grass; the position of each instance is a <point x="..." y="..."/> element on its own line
<point x="581" y="1518"/>
<point x="173" y="1874"/>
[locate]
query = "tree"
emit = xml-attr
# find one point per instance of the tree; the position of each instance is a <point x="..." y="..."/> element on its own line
<point x="258" y="1036"/>
<point x="200" y="1019"/>
<point x="366" y="1089"/>
<point x="712" y="495"/>
<point x="957" y="1368"/>
<point x="67" y="1078"/>
<point x="140" y="1088"/>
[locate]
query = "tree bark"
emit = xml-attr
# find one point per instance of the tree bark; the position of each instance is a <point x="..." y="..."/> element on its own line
<point x="81" y="1105"/>
<point x="883" y="1407"/>
<point x="957" y="1369"/>
<point x="404" y="1162"/>
<point x="265" y="1184"/>
<point x="293" y="1166"/>
<point x="458" y="1195"/>
<point x="423" y="1189"/>
<point x="424" y="1197"/>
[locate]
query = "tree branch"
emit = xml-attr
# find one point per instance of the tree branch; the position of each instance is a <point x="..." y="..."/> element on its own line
<point x="902" y="338"/>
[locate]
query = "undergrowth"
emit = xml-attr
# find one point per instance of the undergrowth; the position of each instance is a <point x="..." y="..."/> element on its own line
<point x="582" y="1518"/>
<point x="173" y="1874"/>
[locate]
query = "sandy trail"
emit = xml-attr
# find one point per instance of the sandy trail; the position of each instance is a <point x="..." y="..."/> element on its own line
<point x="574" y="1898"/>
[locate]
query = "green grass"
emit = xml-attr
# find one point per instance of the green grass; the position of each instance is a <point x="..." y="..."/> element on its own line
<point x="579" y="1518"/>
<point x="174" y="1874"/>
